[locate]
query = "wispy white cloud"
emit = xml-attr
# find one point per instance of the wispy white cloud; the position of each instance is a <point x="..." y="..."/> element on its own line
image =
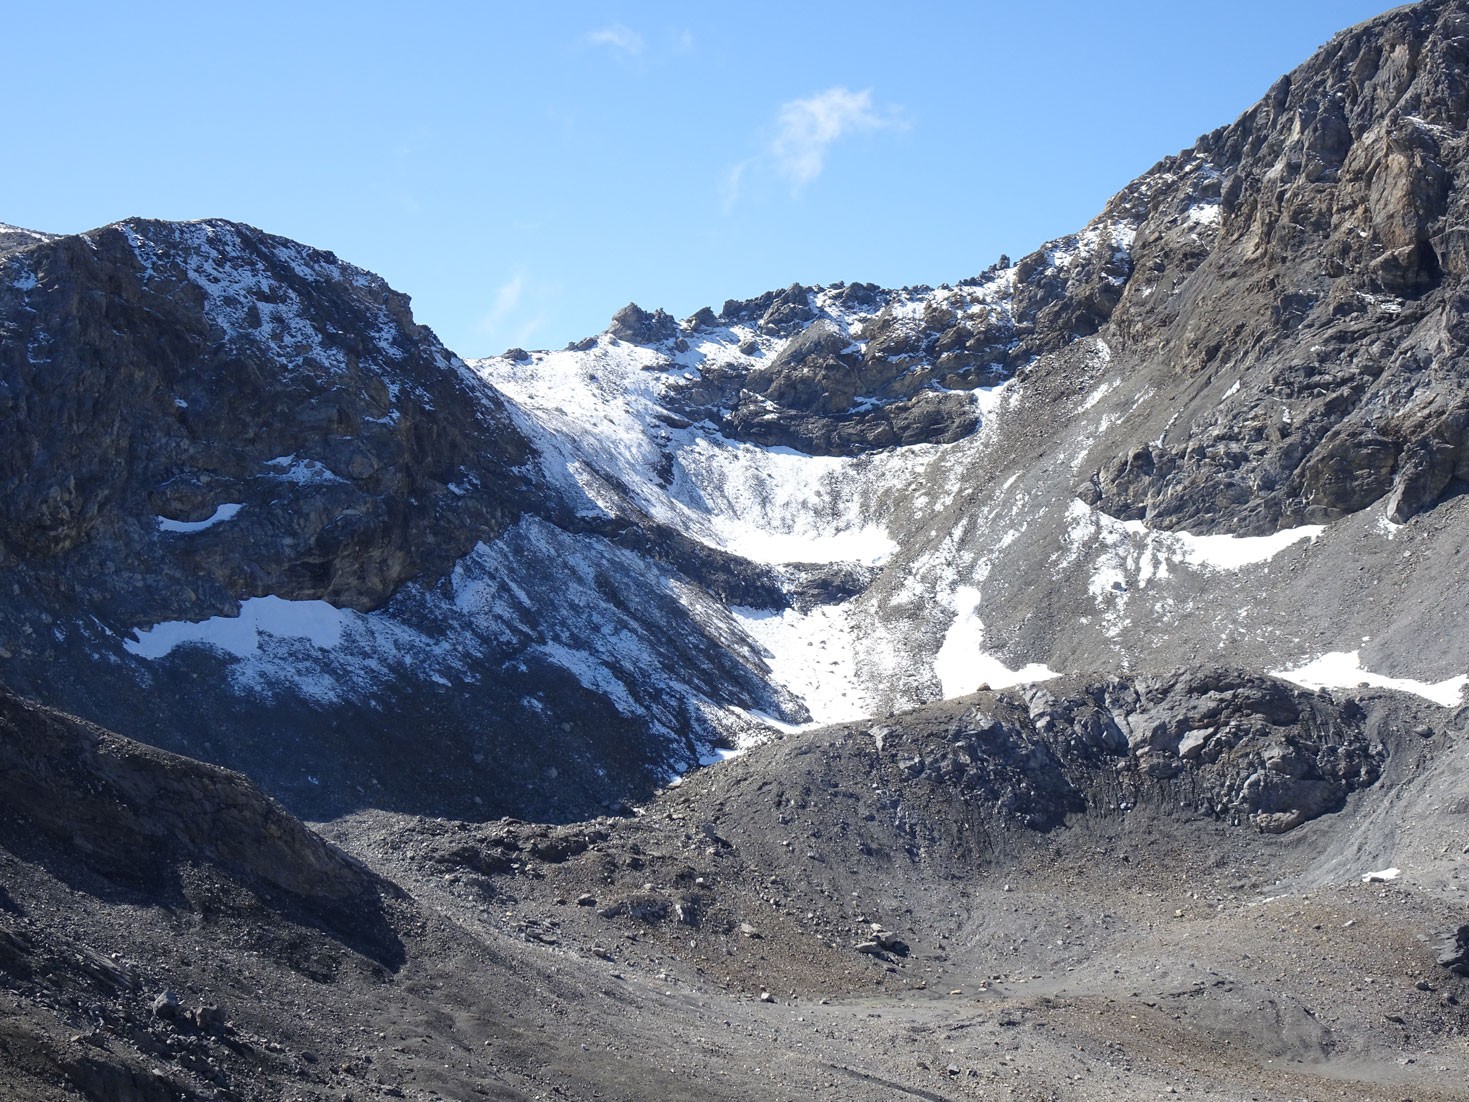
<point x="807" y="128"/>
<point x="619" y="39"/>
<point x="795" y="148"/>
<point x="516" y="312"/>
<point x="729" y="188"/>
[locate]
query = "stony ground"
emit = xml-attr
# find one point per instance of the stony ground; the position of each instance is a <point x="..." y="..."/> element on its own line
<point x="787" y="924"/>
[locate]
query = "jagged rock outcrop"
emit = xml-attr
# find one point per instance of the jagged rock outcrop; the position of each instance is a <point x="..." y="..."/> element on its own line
<point x="634" y="324"/>
<point x="1242" y="745"/>
<point x="1455" y="953"/>
<point x="853" y="368"/>
<point x="1318" y="346"/>
<point x="1222" y="743"/>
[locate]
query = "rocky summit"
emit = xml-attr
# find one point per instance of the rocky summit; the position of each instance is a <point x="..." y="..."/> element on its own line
<point x="1046" y="686"/>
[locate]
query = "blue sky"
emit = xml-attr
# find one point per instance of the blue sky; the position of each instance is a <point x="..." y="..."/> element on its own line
<point x="523" y="171"/>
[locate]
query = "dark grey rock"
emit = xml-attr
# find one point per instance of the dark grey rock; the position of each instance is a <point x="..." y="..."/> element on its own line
<point x="637" y="326"/>
<point x="1455" y="953"/>
<point x="1336" y="241"/>
<point x="166" y="1007"/>
<point x="703" y="318"/>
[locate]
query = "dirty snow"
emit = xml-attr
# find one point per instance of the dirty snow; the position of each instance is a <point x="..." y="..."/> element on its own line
<point x="1382" y="876"/>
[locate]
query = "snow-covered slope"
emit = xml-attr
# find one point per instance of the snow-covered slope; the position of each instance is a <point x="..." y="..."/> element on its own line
<point x="979" y="553"/>
<point x="611" y="424"/>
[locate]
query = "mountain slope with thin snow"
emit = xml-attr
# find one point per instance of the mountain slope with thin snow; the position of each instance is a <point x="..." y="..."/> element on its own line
<point x="1223" y="424"/>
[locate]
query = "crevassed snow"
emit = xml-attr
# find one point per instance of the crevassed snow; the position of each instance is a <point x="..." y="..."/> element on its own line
<point x="870" y="545"/>
<point x="315" y="621"/>
<point x="962" y="665"/>
<point x="1343" y="670"/>
<point x="222" y="513"/>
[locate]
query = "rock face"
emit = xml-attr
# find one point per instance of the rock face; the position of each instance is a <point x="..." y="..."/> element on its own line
<point x="160" y="377"/>
<point x="1252" y="748"/>
<point x="851" y="369"/>
<point x="1295" y="280"/>
<point x="1331" y="293"/>
<point x="1222" y="743"/>
<point x="1455" y="954"/>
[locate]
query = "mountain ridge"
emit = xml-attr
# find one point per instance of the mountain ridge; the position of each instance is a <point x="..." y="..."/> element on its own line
<point x="689" y="456"/>
<point x="1046" y="686"/>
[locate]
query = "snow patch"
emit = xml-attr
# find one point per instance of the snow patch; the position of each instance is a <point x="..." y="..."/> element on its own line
<point x="1148" y="551"/>
<point x="302" y="472"/>
<point x="1206" y="214"/>
<point x="317" y="622"/>
<point x="1099" y="393"/>
<point x="1343" y="670"/>
<point x="223" y="513"/>
<point x="1234" y="552"/>
<point x="962" y="665"/>
<point x="813" y="655"/>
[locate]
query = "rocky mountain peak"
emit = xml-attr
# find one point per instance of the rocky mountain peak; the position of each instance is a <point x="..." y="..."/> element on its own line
<point x="1329" y="292"/>
<point x="159" y="376"/>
